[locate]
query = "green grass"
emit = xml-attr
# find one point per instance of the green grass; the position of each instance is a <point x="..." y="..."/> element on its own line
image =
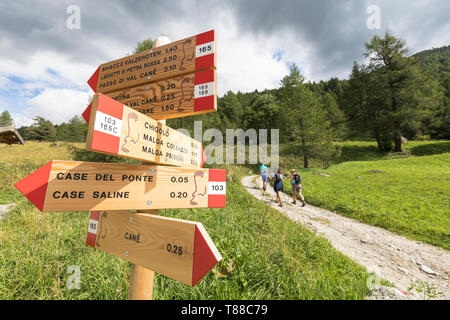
<point x="263" y="258"/>
<point x="410" y="198"/>
<point x="35" y="152"/>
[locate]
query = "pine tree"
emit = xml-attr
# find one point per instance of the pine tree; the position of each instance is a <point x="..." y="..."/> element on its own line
<point x="41" y="130"/>
<point x="306" y="118"/>
<point x="230" y="107"/>
<point x="75" y="130"/>
<point x="366" y="106"/>
<point x="398" y="75"/>
<point x="5" y="119"/>
<point x="143" y="45"/>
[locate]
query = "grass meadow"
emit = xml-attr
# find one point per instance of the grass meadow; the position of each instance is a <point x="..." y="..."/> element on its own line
<point x="265" y="255"/>
<point x="410" y="196"/>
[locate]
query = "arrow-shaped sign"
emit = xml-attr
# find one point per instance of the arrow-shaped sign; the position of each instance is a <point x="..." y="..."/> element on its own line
<point x="174" y="59"/>
<point x="183" y="96"/>
<point x="79" y="186"/>
<point x="119" y="130"/>
<point x="178" y="249"/>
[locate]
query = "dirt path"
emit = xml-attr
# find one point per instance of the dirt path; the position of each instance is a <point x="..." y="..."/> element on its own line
<point x="389" y="256"/>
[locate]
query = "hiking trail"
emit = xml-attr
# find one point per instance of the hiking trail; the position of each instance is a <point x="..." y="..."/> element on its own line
<point x="388" y="256"/>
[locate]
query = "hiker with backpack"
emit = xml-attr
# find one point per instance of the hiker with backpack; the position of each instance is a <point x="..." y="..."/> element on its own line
<point x="264" y="171"/>
<point x="297" y="188"/>
<point x="278" y="185"/>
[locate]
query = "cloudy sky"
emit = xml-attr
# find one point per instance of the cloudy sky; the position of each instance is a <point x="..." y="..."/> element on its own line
<point x="44" y="64"/>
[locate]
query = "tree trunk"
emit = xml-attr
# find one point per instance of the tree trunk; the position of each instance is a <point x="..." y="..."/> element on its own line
<point x="398" y="141"/>
<point x="378" y="138"/>
<point x="397" y="130"/>
<point x="305" y="156"/>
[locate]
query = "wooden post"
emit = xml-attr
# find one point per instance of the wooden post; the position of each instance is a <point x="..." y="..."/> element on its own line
<point x="141" y="279"/>
<point x="141" y="282"/>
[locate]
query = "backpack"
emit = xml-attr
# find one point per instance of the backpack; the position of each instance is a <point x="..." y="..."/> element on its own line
<point x="297" y="178"/>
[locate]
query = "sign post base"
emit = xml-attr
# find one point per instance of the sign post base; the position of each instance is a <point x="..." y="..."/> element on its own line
<point x="141" y="283"/>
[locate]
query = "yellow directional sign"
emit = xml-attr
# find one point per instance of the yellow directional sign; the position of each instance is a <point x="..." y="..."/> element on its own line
<point x="174" y="59"/>
<point x="182" y="96"/>
<point x="79" y="186"/>
<point x="179" y="249"/>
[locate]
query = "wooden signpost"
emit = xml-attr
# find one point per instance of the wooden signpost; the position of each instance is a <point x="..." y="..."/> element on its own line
<point x="182" y="96"/>
<point x="119" y="130"/>
<point x="172" y="80"/>
<point x="179" y="249"/>
<point x="181" y="57"/>
<point x="78" y="186"/>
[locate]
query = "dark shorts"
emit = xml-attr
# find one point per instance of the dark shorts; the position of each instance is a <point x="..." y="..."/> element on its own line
<point x="278" y="186"/>
<point x="264" y="177"/>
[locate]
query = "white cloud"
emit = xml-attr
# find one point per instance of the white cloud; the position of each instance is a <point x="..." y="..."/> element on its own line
<point x="5" y="83"/>
<point x="20" y="120"/>
<point x="254" y="46"/>
<point x="46" y="69"/>
<point x="246" y="63"/>
<point x="58" y="105"/>
<point x="48" y="84"/>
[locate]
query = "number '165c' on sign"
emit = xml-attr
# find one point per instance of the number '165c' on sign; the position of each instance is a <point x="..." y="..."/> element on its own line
<point x="119" y="130"/>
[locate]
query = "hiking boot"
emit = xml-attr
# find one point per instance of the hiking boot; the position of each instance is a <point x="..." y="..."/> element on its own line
<point x="304" y="204"/>
<point x="294" y="202"/>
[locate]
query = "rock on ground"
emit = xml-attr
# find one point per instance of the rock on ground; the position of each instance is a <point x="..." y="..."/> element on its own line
<point x="5" y="208"/>
<point x="387" y="293"/>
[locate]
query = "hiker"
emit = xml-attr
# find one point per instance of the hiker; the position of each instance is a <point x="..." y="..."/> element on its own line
<point x="278" y="185"/>
<point x="297" y="188"/>
<point x="264" y="174"/>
